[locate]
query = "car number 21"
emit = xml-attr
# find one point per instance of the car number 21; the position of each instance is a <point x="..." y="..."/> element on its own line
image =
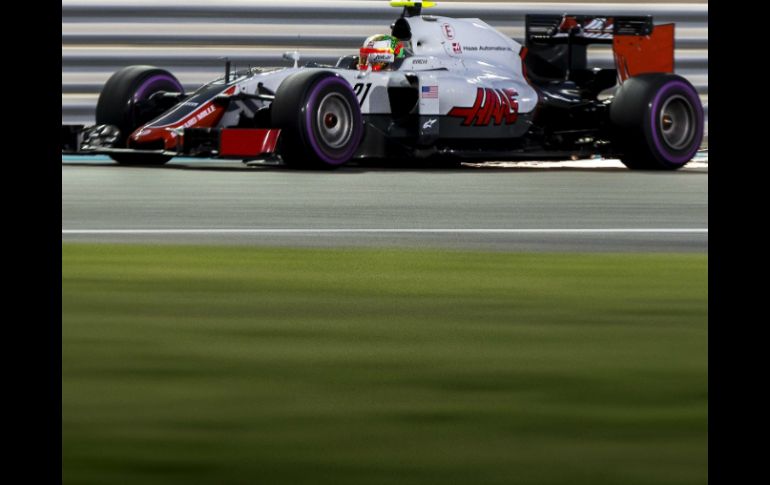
<point x="362" y="91"/>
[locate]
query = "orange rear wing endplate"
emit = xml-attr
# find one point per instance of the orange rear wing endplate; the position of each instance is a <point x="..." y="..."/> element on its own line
<point x="638" y="54"/>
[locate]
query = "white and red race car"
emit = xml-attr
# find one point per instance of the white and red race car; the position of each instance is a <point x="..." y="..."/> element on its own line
<point x="457" y="90"/>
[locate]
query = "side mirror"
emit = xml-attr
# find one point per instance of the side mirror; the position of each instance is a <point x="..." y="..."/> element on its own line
<point x="292" y="56"/>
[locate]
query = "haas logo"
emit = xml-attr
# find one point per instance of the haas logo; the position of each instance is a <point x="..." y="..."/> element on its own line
<point x="499" y="105"/>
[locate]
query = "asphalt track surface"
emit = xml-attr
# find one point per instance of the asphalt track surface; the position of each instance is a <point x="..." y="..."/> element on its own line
<point x="583" y="207"/>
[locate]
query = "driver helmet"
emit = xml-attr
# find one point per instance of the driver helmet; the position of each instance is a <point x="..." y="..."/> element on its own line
<point x="380" y="51"/>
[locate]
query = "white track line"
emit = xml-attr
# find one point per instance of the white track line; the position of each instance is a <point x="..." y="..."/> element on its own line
<point x="69" y="232"/>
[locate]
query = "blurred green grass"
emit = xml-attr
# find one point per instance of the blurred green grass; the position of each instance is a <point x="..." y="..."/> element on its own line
<point x="245" y="365"/>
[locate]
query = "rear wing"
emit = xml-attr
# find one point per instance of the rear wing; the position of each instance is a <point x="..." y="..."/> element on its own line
<point x="638" y="45"/>
<point x="583" y="29"/>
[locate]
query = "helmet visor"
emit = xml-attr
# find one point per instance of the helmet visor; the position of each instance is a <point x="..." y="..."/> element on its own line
<point x="376" y="54"/>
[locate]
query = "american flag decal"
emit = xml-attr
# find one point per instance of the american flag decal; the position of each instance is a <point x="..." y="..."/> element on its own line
<point x="430" y="92"/>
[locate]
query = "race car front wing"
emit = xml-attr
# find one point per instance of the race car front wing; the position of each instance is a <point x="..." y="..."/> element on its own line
<point x="237" y="143"/>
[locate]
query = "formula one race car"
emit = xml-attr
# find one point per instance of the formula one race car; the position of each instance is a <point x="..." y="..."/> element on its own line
<point x="434" y="88"/>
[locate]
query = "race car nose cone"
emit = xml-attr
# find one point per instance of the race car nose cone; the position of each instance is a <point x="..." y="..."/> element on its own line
<point x="166" y="138"/>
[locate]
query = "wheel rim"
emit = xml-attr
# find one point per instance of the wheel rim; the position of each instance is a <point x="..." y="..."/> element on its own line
<point x="335" y="121"/>
<point x="676" y="122"/>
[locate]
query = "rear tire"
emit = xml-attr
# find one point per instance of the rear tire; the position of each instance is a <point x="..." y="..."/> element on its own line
<point x="657" y="121"/>
<point x="320" y="120"/>
<point x="119" y="104"/>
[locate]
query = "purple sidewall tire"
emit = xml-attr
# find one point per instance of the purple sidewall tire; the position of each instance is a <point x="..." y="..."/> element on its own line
<point x="117" y="106"/>
<point x="312" y="138"/>
<point x="145" y="89"/>
<point x="669" y="157"/>
<point x="124" y="89"/>
<point x="302" y="102"/>
<point x="640" y="108"/>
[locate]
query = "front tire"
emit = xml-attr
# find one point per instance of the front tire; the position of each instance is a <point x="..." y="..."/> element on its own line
<point x="657" y="121"/>
<point x="320" y="120"/>
<point x="123" y="103"/>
